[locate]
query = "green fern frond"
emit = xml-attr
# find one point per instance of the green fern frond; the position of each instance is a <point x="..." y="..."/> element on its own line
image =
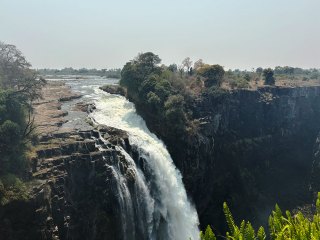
<point x="261" y="235"/>
<point x="229" y="218"/>
<point x="249" y="233"/>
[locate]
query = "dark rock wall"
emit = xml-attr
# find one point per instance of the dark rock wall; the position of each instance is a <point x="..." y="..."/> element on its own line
<point x="255" y="149"/>
<point x="263" y="149"/>
<point x="72" y="195"/>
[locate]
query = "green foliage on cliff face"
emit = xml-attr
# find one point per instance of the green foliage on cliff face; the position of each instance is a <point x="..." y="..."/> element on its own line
<point x="175" y="112"/>
<point x="13" y="126"/>
<point x="160" y="91"/>
<point x="135" y="72"/>
<point x="281" y="227"/>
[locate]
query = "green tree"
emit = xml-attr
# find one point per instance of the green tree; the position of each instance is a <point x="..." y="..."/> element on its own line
<point x="268" y="76"/>
<point x="173" y="67"/>
<point x="19" y="86"/>
<point x="135" y="72"/>
<point x="198" y="64"/>
<point x="213" y="73"/>
<point x="148" y="60"/>
<point x="16" y="73"/>
<point x="187" y="63"/>
<point x="247" y="77"/>
<point x="154" y="101"/>
<point x="131" y="78"/>
<point x="174" y="111"/>
<point x="259" y="70"/>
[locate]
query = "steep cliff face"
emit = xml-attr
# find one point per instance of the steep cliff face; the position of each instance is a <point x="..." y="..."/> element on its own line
<point x="254" y="149"/>
<point x="74" y="190"/>
<point x="263" y="146"/>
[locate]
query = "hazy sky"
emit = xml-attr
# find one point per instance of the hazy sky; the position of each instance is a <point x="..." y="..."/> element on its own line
<point x="106" y="34"/>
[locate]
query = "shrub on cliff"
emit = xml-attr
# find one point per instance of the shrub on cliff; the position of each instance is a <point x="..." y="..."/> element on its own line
<point x="215" y="93"/>
<point x="13" y="129"/>
<point x="174" y="112"/>
<point x="239" y="83"/>
<point x="268" y="76"/>
<point x="213" y="74"/>
<point x="12" y="188"/>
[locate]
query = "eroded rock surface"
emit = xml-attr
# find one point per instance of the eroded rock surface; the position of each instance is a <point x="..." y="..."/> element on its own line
<point x="75" y="199"/>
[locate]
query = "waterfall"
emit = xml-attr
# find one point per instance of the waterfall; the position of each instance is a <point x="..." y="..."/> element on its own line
<point x="157" y="207"/>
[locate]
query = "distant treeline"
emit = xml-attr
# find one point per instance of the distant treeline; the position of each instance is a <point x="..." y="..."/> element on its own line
<point x="110" y="73"/>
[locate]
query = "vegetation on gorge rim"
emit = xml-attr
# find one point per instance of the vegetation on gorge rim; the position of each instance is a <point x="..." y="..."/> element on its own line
<point x="166" y="93"/>
<point x="19" y="87"/>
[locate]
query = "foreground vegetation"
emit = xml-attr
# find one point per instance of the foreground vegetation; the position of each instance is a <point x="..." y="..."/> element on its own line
<point x="19" y="87"/>
<point x="282" y="226"/>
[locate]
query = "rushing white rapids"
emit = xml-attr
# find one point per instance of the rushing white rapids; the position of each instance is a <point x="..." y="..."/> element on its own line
<point x="174" y="218"/>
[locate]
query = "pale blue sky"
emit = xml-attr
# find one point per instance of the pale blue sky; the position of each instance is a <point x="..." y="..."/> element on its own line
<point x="105" y="34"/>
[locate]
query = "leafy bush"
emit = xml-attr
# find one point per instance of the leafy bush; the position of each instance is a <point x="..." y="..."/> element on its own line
<point x="213" y="74"/>
<point x="294" y="227"/>
<point x="268" y="76"/>
<point x="216" y="92"/>
<point x="239" y="83"/>
<point x="12" y="188"/>
<point x="153" y="100"/>
<point x="281" y="227"/>
<point x="174" y="111"/>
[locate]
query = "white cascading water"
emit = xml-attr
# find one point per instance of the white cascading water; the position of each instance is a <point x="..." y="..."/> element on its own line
<point x="169" y="215"/>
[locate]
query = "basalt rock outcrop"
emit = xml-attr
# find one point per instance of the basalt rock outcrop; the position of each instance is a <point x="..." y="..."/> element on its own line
<point x="254" y="149"/>
<point x="114" y="89"/>
<point x="73" y="192"/>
